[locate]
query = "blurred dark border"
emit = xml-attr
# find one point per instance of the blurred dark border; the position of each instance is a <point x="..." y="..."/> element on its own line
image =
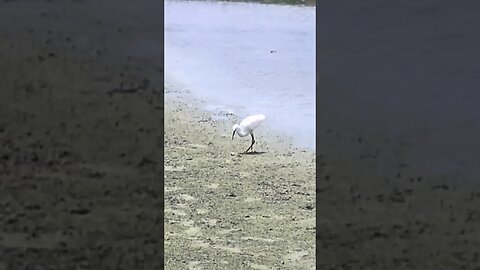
<point x="48" y="44"/>
<point x="373" y="57"/>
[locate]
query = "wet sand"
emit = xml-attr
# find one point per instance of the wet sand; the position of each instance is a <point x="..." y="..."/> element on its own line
<point x="227" y="210"/>
<point x="80" y="162"/>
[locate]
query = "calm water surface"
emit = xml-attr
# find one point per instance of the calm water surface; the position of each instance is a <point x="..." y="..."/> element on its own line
<point x="247" y="58"/>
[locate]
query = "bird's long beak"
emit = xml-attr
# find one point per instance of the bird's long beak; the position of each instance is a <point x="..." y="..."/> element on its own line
<point x="233" y="134"/>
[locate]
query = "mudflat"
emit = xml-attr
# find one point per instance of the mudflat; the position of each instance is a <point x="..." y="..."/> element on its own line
<point x="228" y="210"/>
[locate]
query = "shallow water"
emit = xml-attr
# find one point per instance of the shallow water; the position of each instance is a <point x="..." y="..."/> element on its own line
<point x="247" y="58"/>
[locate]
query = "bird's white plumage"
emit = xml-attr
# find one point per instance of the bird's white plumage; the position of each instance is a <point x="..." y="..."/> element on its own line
<point x="249" y="124"/>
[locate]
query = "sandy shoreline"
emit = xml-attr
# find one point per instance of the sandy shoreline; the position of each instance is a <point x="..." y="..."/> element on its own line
<point x="234" y="211"/>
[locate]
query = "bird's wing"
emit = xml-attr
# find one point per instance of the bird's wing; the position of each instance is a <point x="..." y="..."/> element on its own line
<point x="253" y="121"/>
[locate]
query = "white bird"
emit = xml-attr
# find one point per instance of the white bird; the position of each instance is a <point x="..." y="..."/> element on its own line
<point x="247" y="126"/>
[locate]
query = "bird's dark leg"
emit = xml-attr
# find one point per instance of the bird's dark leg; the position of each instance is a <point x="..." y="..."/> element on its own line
<point x="251" y="145"/>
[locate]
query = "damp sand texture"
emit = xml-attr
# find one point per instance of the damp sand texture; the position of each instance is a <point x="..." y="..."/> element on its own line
<point x="231" y="211"/>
